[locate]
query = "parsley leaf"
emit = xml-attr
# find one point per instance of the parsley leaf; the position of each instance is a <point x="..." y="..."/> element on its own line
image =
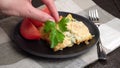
<point x="63" y="23"/>
<point x="56" y="36"/>
<point x="49" y="25"/>
<point x="53" y="39"/>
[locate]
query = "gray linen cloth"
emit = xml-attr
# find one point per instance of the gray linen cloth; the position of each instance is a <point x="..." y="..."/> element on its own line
<point x="13" y="57"/>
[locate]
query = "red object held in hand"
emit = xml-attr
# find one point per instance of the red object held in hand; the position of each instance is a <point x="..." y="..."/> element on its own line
<point x="38" y="23"/>
<point x="46" y="10"/>
<point x="29" y="31"/>
<point x="35" y="22"/>
<point x="29" y="27"/>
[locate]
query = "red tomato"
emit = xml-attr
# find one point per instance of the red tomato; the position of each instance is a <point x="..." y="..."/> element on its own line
<point x="29" y="31"/>
<point x="36" y="23"/>
<point x="45" y="9"/>
<point x="28" y="28"/>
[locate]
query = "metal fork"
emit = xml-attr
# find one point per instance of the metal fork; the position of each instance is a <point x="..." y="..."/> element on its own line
<point x="94" y="17"/>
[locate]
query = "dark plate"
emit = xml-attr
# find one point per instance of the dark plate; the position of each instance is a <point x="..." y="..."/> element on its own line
<point x="41" y="48"/>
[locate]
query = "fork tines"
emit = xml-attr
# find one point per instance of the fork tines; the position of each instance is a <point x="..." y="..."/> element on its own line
<point x="93" y="15"/>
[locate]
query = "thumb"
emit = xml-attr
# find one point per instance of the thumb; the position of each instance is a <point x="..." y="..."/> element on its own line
<point x="37" y="14"/>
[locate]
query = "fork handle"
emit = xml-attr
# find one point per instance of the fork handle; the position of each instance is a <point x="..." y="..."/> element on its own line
<point x="101" y="52"/>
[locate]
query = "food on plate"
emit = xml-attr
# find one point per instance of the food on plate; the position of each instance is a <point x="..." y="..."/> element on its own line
<point x="67" y="32"/>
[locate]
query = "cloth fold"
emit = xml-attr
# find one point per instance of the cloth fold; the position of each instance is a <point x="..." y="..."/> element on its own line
<point x="110" y="32"/>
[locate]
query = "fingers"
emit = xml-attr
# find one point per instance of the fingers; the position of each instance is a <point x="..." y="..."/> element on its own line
<point x="24" y="8"/>
<point x="51" y="6"/>
<point x="37" y="14"/>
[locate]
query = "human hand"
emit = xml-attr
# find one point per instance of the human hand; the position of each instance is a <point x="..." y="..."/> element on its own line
<point x="24" y="8"/>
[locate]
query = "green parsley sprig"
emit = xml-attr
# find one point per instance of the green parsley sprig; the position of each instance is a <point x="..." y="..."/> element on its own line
<point x="56" y="33"/>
